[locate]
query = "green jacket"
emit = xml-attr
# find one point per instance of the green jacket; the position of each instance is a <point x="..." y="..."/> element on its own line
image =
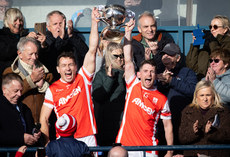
<point x="109" y="100"/>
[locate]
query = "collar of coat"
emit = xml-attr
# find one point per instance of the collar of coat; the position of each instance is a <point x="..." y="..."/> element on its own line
<point x="139" y="37"/>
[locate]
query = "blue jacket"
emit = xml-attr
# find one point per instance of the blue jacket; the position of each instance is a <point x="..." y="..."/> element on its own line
<point x="181" y="88"/>
<point x="66" y="147"/>
<point x="222" y="86"/>
<point x="179" y="93"/>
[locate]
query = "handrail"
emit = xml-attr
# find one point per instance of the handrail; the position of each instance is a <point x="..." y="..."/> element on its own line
<point x="137" y="148"/>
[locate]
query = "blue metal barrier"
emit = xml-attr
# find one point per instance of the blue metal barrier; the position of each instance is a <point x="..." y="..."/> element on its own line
<point x="138" y="148"/>
<point x="182" y="35"/>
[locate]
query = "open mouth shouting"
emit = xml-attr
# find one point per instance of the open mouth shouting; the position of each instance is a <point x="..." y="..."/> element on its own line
<point x="69" y="76"/>
<point x="148" y="82"/>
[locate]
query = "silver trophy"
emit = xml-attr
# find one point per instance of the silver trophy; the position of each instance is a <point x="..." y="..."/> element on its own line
<point x="114" y="16"/>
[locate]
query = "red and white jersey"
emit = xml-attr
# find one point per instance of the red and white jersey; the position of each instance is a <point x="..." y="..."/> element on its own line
<point x="75" y="99"/>
<point x="143" y="108"/>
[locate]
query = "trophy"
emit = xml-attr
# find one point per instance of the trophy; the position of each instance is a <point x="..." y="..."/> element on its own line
<point x="113" y="16"/>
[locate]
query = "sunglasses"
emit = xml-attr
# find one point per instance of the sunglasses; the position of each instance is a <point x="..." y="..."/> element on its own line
<point x="214" y="27"/>
<point x="120" y="56"/>
<point x="215" y="60"/>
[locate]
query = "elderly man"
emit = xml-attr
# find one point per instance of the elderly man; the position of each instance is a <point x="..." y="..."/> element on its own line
<point x="16" y="121"/>
<point x="176" y="82"/>
<point x="149" y="41"/>
<point x="35" y="75"/>
<point x="59" y="39"/>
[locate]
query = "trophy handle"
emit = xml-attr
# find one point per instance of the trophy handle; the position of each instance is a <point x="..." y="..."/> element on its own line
<point x="101" y="9"/>
<point x="130" y="14"/>
<point x="103" y="19"/>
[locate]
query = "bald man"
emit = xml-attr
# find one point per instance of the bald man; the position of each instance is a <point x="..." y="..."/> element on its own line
<point x="118" y="151"/>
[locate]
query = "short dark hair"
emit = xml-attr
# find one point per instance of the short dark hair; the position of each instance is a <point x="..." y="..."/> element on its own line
<point x="8" y="78"/>
<point x="151" y="62"/>
<point x="66" y="54"/>
<point x="224" y="55"/>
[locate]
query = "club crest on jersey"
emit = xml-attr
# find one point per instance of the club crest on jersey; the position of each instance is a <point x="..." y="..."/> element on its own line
<point x="64" y="100"/>
<point x="146" y="95"/>
<point x="155" y="100"/>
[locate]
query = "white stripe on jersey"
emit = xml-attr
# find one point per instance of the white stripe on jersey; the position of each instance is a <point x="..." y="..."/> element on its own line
<point x="126" y="105"/>
<point x="88" y="99"/>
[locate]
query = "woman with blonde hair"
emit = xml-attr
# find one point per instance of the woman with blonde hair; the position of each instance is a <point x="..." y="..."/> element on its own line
<point x="205" y="121"/>
<point x="109" y="94"/>
<point x="10" y="34"/>
<point x="106" y="37"/>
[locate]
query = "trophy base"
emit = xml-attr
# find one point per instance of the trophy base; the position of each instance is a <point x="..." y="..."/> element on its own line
<point x="113" y="35"/>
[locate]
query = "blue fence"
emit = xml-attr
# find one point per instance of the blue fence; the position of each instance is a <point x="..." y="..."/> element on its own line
<point x="138" y="148"/>
<point x="181" y="34"/>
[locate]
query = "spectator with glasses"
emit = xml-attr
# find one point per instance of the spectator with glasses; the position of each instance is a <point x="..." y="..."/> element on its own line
<point x="219" y="74"/>
<point x="218" y="36"/>
<point x="106" y="37"/>
<point x="109" y="94"/>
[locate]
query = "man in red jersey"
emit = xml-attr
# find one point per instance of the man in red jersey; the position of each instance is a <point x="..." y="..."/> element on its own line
<point x="144" y="105"/>
<point x="71" y="94"/>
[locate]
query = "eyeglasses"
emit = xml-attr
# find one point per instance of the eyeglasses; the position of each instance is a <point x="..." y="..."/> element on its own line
<point x="215" y="60"/>
<point x="121" y="56"/>
<point x="215" y="27"/>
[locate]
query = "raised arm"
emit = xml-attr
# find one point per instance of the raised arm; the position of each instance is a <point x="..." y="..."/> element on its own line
<point x="129" y="66"/>
<point x="90" y="57"/>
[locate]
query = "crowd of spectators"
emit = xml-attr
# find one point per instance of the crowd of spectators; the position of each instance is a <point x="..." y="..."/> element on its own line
<point x="137" y="91"/>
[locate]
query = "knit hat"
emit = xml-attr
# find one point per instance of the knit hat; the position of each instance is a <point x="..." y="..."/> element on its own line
<point x="66" y="125"/>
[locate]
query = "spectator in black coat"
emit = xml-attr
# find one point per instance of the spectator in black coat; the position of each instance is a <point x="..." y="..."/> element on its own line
<point x="59" y="39"/>
<point x="10" y="35"/>
<point x="16" y="120"/>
